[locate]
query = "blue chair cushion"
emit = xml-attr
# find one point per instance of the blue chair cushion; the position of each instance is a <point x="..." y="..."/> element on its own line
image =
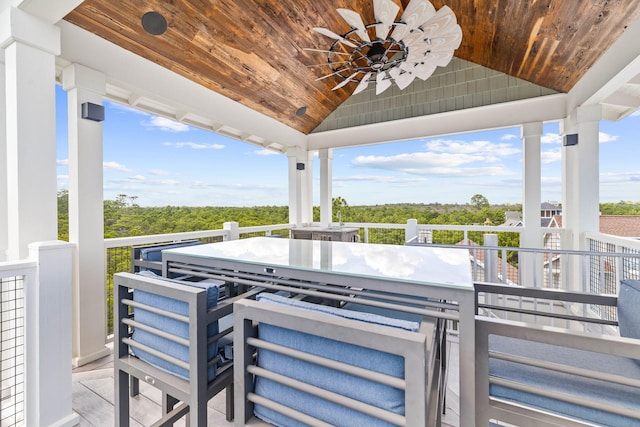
<point x="172" y="326"/>
<point x="569" y="384"/>
<point x="629" y="310"/>
<point x="325" y="378"/>
<point x="154" y="253"/>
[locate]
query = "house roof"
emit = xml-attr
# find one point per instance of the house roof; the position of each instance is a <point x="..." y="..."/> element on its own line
<point x="251" y="53"/>
<point x="616" y="225"/>
<point x="620" y="225"/>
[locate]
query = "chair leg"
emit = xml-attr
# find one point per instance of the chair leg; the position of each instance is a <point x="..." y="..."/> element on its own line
<point x="121" y="404"/>
<point x="134" y="386"/>
<point x="230" y="408"/>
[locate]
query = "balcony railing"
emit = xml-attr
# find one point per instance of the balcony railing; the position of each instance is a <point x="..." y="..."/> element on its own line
<point x="12" y="283"/>
<point x="497" y="260"/>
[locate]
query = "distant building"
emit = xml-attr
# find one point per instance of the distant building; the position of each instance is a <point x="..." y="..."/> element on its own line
<point x="548" y="210"/>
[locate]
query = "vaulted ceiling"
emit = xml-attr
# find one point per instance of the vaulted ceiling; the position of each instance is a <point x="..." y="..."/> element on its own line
<point x="252" y="51"/>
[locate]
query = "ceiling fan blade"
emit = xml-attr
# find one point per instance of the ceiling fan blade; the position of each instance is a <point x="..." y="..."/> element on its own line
<point x="331" y="64"/>
<point x="345" y="81"/>
<point x="447" y="42"/>
<point x="325" y="51"/>
<point x="395" y="72"/>
<point x="363" y="84"/>
<point x="439" y="23"/>
<point x="424" y="71"/>
<point x="332" y="74"/>
<point x="333" y="35"/>
<point x="382" y="82"/>
<point x="385" y="12"/>
<point x="404" y="80"/>
<point x="355" y="20"/>
<point x="416" y="13"/>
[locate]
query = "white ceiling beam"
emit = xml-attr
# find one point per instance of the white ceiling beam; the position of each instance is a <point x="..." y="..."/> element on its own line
<point x="508" y="114"/>
<point x="51" y="11"/>
<point x="623" y="100"/>
<point x="160" y="86"/>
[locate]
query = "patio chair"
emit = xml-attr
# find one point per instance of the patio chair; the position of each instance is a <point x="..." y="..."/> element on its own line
<point x="544" y="375"/>
<point x="321" y="365"/>
<point x="168" y="335"/>
<point x="149" y="257"/>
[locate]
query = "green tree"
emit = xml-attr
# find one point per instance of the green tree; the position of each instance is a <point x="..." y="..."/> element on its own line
<point x="479" y="201"/>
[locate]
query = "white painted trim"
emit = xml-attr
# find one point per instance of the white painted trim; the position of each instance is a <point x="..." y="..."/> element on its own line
<point x="541" y="109"/>
<point x="19" y="26"/>
<point x="160" y="91"/>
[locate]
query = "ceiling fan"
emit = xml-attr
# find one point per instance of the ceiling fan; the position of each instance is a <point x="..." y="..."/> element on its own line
<point x="387" y="50"/>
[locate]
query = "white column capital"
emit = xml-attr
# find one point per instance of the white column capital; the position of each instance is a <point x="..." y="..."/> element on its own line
<point x="77" y="76"/>
<point x="325" y="153"/>
<point x="19" y="26"/>
<point x="589" y="113"/>
<point x="531" y="129"/>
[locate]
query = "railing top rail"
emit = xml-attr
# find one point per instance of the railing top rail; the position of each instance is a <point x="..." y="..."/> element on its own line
<point x="533" y="250"/>
<point x="259" y="228"/>
<point x="154" y="238"/>
<point x="16" y="268"/>
<point x="629" y="242"/>
<point x="487" y="228"/>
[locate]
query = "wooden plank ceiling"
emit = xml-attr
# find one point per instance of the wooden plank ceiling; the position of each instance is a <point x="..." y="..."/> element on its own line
<point x="252" y="51"/>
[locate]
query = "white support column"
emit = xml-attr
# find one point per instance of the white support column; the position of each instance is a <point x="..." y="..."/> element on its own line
<point x="326" y="190"/>
<point x="4" y="207"/>
<point x="531" y="236"/>
<point x="30" y="47"/>
<point x="48" y="337"/>
<point x="307" y="189"/>
<point x="299" y="187"/>
<point x="295" y="212"/>
<point x="581" y="175"/>
<point x="86" y="219"/>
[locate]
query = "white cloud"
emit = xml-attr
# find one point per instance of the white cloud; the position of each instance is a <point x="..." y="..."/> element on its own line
<point x="160" y="172"/>
<point x="62" y="162"/>
<point x="550" y="156"/>
<point x="489" y="151"/>
<point x="431" y="164"/>
<point x="508" y="137"/>
<point x="265" y="152"/>
<point x="635" y="113"/>
<point x="619" y="177"/>
<point x="165" y="124"/>
<point x="605" y="137"/>
<point x="551" y="138"/>
<point x="62" y="176"/>
<point x="115" y="166"/>
<point x="194" y="145"/>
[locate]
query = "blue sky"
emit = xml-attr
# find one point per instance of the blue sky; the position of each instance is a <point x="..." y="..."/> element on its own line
<point x="162" y="162"/>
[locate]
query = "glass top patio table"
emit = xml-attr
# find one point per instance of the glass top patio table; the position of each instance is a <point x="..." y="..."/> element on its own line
<point x="443" y="267"/>
<point x="443" y="273"/>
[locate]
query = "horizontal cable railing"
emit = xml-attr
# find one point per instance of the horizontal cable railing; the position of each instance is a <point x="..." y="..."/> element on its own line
<point x="118" y="250"/>
<point x="13" y="276"/>
<point x="597" y="271"/>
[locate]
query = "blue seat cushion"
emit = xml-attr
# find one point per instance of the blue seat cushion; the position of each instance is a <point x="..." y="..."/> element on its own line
<point x="569" y="384"/>
<point x="172" y="326"/>
<point x="629" y="310"/>
<point x="154" y="253"/>
<point x="358" y="388"/>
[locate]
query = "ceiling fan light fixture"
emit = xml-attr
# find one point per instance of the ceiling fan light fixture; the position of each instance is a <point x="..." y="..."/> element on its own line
<point x="401" y="50"/>
<point x="154" y="23"/>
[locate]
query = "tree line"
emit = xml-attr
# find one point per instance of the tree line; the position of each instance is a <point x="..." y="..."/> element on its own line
<point x="123" y="217"/>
